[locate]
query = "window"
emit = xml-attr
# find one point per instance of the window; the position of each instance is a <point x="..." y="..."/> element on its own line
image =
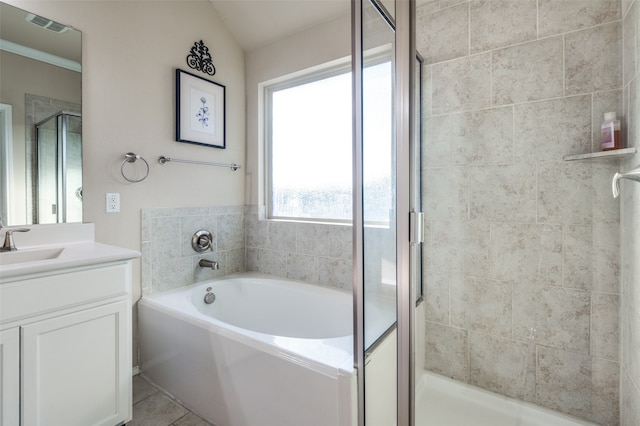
<point x="308" y="145"/>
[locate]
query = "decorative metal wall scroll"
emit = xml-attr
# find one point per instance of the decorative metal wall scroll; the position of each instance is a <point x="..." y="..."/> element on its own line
<point x="199" y="58"/>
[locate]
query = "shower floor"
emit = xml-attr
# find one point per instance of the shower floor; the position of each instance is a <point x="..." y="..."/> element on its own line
<point x="441" y="401"/>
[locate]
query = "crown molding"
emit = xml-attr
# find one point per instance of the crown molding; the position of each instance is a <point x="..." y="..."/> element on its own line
<point x="39" y="55"/>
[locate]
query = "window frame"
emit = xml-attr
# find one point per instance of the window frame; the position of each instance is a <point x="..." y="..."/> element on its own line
<point x="267" y="89"/>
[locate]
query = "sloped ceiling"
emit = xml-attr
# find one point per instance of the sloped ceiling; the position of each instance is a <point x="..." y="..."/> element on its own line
<point x="256" y="23"/>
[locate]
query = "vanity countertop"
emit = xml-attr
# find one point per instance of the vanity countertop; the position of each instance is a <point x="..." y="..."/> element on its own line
<point x="69" y="255"/>
<point x="51" y="248"/>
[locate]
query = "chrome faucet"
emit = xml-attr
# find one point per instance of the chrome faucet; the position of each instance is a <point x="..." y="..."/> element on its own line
<point x="632" y="175"/>
<point x="206" y="263"/>
<point x="9" y="245"/>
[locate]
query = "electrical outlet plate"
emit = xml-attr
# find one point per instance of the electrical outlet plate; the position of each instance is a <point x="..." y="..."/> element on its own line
<point x="113" y="203"/>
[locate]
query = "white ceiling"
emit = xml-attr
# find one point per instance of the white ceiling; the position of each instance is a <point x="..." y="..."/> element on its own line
<point x="256" y="23"/>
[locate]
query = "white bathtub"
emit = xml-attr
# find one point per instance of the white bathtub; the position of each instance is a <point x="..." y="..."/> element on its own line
<point x="269" y="352"/>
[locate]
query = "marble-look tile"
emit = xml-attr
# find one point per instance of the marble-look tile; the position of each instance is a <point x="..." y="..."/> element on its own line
<point x="502" y="365"/>
<point x="636" y="12"/>
<point x="528" y="72"/>
<point x="312" y="239"/>
<point x="605" y="377"/>
<point x="230" y="231"/>
<point x="446" y="245"/>
<point x="459" y="246"/>
<point x="626" y="5"/>
<point x="435" y="285"/>
<point x="461" y="85"/>
<point x="445" y="193"/>
<point x="156" y="410"/>
<point x="302" y="267"/>
<point x="499" y="23"/>
<point x="559" y="16"/>
<point x="633" y="342"/>
<point x="142" y="389"/>
<point x="165" y="238"/>
<point x="629" y="402"/>
<point x="428" y="5"/>
<point x="577" y="193"/>
<point x="189" y="225"/>
<point x="578" y="385"/>
<point x="281" y="236"/>
<point x="593" y="59"/>
<point x="171" y="274"/>
<point x="547" y="130"/>
<point x="476" y="248"/>
<point x="482" y="305"/>
<point x="235" y="261"/>
<point x="526" y="253"/>
<point x="553" y="316"/>
<point x="427" y="91"/>
<point x="604" y="102"/>
<point x="255" y="230"/>
<point x="633" y="105"/>
<point x="252" y="259"/>
<point x="503" y="192"/>
<point x="437" y="143"/>
<point x="444" y="34"/>
<point x="482" y="137"/>
<point x="191" y="420"/>
<point x="335" y="272"/>
<point x="446" y="351"/>
<point x="340" y="241"/>
<point x="605" y="326"/>
<point x="592" y="258"/>
<point x="145" y="267"/>
<point x="272" y="262"/>
<point x="449" y="3"/>
<point x="629" y="45"/>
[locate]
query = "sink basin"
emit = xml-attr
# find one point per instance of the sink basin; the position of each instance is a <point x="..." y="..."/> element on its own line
<point x="23" y="256"/>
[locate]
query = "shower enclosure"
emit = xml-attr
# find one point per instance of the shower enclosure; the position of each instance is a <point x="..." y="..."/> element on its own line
<point x="521" y="262"/>
<point x="57" y="180"/>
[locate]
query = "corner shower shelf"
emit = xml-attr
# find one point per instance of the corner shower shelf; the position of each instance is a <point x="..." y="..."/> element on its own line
<point x="615" y="153"/>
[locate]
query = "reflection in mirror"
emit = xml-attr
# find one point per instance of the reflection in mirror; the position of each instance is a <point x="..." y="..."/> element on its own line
<point x="40" y="124"/>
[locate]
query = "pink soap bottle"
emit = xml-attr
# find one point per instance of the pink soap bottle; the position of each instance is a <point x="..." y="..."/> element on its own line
<point x="611" y="134"/>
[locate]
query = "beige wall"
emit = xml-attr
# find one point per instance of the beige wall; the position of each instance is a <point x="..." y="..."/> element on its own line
<point x="130" y="52"/>
<point x="318" y="45"/>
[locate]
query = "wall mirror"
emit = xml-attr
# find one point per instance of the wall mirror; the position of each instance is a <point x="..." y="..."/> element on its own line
<point x="40" y="119"/>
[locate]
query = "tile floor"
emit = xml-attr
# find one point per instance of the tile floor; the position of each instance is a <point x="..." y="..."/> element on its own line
<point x="152" y="407"/>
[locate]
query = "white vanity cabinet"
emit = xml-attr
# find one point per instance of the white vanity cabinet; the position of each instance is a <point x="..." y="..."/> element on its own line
<point x="65" y="338"/>
<point x="10" y="376"/>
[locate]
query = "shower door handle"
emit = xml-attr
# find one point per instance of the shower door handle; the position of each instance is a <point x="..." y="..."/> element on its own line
<point x="416" y="227"/>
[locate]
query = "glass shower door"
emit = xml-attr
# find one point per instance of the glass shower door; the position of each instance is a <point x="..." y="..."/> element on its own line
<point x="58" y="180"/>
<point x="385" y="288"/>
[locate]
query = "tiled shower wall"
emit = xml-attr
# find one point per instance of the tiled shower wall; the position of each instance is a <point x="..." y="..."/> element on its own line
<point x="630" y="227"/>
<point x="315" y="253"/>
<point x="522" y="260"/>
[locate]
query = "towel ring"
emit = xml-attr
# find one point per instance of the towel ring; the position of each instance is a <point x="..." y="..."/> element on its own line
<point x="130" y="157"/>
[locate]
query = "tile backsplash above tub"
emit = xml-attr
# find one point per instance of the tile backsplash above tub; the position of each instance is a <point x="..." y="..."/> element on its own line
<point x="242" y="241"/>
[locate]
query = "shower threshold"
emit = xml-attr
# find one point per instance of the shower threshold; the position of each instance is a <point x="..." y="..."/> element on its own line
<point x="442" y="401"/>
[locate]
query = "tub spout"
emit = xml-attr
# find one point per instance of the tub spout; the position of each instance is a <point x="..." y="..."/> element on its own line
<point x="206" y="263"/>
<point x="632" y="175"/>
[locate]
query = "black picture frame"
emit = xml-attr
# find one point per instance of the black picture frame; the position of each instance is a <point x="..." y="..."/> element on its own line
<point x="200" y="110"/>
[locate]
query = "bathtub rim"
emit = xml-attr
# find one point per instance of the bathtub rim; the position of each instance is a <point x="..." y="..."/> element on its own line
<point x="329" y="356"/>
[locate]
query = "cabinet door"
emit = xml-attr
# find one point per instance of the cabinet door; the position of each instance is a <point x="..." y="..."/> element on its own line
<point x="9" y="377"/>
<point x="76" y="368"/>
